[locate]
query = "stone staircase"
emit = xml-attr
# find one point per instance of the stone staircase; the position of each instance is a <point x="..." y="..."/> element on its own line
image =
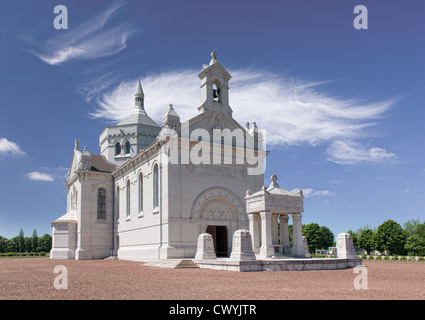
<point x="186" y="264"/>
<point x="174" y="264"/>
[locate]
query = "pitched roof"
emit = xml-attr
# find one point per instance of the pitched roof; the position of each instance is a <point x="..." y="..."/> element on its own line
<point x="99" y="163"/>
<point x="139" y="116"/>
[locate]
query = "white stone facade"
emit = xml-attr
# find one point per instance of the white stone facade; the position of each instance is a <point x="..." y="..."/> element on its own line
<point x="139" y="204"/>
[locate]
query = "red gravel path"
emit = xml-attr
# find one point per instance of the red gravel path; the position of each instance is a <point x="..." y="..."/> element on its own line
<point x="33" y="278"/>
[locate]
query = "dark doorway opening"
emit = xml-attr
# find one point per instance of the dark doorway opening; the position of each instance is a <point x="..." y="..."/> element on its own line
<point x="219" y="235"/>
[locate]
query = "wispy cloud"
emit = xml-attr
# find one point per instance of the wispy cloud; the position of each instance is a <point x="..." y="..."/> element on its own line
<point x="36" y="175"/>
<point x="10" y="148"/>
<point x="89" y="40"/>
<point x="48" y="174"/>
<point x="292" y="111"/>
<point x="349" y="152"/>
<point x="309" y="192"/>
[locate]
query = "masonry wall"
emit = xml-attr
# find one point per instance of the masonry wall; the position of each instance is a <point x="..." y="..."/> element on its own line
<point x="188" y="183"/>
<point x="94" y="236"/>
<point x="139" y="232"/>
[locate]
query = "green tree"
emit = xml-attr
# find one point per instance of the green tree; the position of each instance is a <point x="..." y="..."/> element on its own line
<point x="45" y="243"/>
<point x="365" y="240"/>
<point x="390" y="236"/>
<point x="34" y="240"/>
<point x="290" y="232"/>
<point x="355" y="236"/>
<point x="318" y="237"/>
<point x="411" y="227"/>
<point x="311" y="232"/>
<point x="326" y="237"/>
<point x="420" y="230"/>
<point x="416" y="244"/>
<point x="3" y="244"/>
<point x="11" y="246"/>
<point x="21" y="241"/>
<point x="28" y="244"/>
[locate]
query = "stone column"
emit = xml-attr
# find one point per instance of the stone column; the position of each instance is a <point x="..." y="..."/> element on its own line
<point x="253" y="229"/>
<point x="284" y="233"/>
<point x="298" y="246"/>
<point x="275" y="231"/>
<point x="266" y="249"/>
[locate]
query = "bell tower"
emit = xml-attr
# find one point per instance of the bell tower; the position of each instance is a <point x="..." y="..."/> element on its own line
<point x="214" y="87"/>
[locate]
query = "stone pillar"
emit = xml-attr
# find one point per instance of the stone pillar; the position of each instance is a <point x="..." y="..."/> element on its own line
<point x="297" y="238"/>
<point x="266" y="249"/>
<point x="242" y="246"/>
<point x="305" y="244"/>
<point x="205" y="248"/>
<point x="284" y="234"/>
<point x="345" y="246"/>
<point x="253" y="229"/>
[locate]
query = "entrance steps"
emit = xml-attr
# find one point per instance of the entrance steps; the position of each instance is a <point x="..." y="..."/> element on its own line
<point x="173" y="263"/>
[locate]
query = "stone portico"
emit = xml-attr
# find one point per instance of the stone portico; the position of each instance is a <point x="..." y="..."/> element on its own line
<point x="265" y="209"/>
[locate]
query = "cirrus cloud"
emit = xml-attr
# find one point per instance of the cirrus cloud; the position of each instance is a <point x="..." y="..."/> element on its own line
<point x="89" y="40"/>
<point x="293" y="112"/>
<point x="349" y="152"/>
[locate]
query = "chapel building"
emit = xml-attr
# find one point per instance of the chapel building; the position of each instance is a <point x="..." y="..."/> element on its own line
<point x="154" y="188"/>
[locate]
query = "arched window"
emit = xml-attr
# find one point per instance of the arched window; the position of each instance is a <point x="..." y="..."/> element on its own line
<point x="101" y="203"/>
<point x="155" y="186"/>
<point x="128" y="199"/>
<point x="141" y="192"/>
<point x="127" y="147"/>
<point x="117" y="148"/>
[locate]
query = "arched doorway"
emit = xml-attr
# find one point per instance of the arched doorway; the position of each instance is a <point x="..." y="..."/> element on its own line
<point x="219" y="235"/>
<point x="220" y="213"/>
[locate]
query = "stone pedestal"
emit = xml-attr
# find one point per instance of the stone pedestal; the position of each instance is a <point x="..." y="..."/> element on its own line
<point x="205" y="247"/>
<point x="242" y="246"/>
<point x="345" y="246"/>
<point x="305" y="244"/>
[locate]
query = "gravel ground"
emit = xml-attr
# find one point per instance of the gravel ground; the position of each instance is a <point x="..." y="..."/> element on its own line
<point x="33" y="279"/>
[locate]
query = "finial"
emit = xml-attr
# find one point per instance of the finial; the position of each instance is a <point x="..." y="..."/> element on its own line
<point x="274" y="184"/>
<point x="247" y="125"/>
<point x="214" y="57"/>
<point x="300" y="192"/>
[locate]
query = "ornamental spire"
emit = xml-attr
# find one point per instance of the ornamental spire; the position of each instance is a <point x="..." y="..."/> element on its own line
<point x="139" y="97"/>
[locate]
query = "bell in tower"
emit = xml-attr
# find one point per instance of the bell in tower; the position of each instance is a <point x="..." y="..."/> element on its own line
<point x="214" y="85"/>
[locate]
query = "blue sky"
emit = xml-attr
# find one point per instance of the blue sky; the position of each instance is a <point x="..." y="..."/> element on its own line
<point x="343" y="109"/>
